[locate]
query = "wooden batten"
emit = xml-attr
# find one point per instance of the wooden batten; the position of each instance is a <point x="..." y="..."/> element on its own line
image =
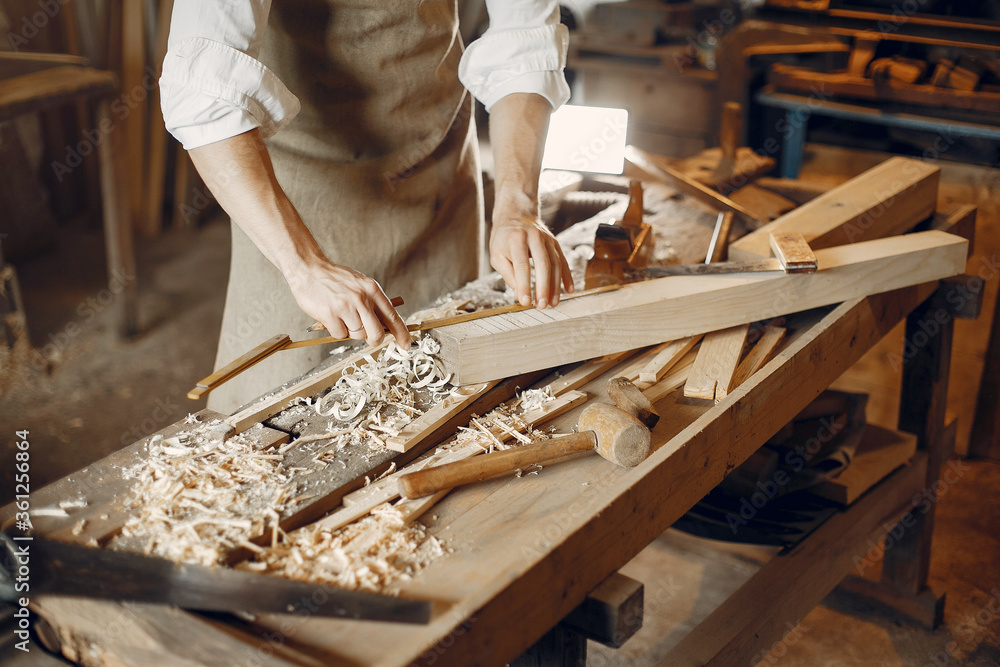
<point x="651" y="312"/>
<point x="716" y="363"/>
<point x="888" y="199"/>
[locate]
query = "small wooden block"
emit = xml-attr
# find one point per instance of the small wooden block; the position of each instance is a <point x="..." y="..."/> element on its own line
<point x="716" y="363"/>
<point x="665" y="359"/>
<point x="880" y="452"/>
<point x="759" y="355"/>
<point x="611" y="613"/>
<point x="793" y="252"/>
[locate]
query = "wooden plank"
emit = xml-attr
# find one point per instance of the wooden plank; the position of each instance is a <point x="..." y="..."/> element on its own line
<point x="758" y="613"/>
<point x="426" y="424"/>
<point x="714" y="367"/>
<point x="888" y="199"/>
<point x="792" y="251"/>
<point x="666" y="358"/>
<point x="650" y="312"/>
<point x="759" y="354"/>
<point x="800" y="192"/>
<point x="19" y="63"/>
<point x="642" y="163"/>
<point x="272" y="404"/>
<point x="763" y="203"/>
<point x="841" y="83"/>
<point x="704" y="168"/>
<point x="50" y="88"/>
<point x="673" y="380"/>
<point x="879" y="452"/>
<point x="95" y="632"/>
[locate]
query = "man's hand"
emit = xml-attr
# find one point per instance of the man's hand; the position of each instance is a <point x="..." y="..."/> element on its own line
<point x="516" y="240"/>
<point x="518" y="124"/>
<point x="348" y="303"/>
<point x="239" y="173"/>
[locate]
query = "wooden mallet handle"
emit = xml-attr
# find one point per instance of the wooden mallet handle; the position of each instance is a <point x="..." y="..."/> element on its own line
<point x="475" y="469"/>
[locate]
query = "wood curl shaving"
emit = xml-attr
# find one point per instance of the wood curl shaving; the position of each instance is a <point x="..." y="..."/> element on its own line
<point x="376" y="397"/>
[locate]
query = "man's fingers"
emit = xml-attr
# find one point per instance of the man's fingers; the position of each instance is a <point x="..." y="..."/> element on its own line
<point x="565" y="272"/>
<point x="374" y="331"/>
<point x="555" y="274"/>
<point x="522" y="273"/>
<point x="543" y="269"/>
<point x="393" y="322"/>
<point x="336" y="328"/>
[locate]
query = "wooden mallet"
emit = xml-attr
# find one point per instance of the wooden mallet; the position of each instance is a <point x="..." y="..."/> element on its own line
<point x="615" y="434"/>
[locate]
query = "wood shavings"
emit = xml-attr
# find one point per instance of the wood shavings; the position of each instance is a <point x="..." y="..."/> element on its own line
<point x="72" y="504"/>
<point x="374" y="554"/>
<point x="375" y="397"/>
<point x="198" y="498"/>
<point x="192" y="419"/>
<point x="533" y="399"/>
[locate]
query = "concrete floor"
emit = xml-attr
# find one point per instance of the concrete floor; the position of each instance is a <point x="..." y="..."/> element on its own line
<point x="91" y="393"/>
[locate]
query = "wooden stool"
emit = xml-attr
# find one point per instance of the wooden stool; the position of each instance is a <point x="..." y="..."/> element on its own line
<point x="30" y="83"/>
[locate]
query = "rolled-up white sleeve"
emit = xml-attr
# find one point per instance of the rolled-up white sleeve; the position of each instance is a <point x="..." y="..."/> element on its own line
<point x="212" y="86"/>
<point x="523" y="51"/>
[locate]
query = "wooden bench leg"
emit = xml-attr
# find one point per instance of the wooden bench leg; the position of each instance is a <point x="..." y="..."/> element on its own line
<point x="985" y="441"/>
<point x="610" y="615"/>
<point x="924" y="393"/>
<point x="117" y="225"/>
<point x="559" y="647"/>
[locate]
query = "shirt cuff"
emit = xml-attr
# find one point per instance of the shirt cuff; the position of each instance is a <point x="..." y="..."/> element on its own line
<point x="550" y="85"/>
<point x="517" y="61"/>
<point x="211" y="91"/>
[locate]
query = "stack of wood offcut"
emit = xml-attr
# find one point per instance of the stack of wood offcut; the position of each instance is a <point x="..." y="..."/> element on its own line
<point x="959" y="80"/>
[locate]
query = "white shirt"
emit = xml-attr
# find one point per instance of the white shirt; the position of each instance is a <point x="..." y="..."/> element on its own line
<point x="213" y="87"/>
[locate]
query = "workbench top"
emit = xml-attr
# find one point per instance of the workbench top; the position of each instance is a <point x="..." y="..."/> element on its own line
<point x="521" y="553"/>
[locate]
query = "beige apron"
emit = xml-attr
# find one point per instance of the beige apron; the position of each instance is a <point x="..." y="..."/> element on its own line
<point x="381" y="163"/>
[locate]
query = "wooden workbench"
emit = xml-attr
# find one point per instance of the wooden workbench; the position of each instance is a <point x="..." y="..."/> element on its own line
<point x="523" y="552"/>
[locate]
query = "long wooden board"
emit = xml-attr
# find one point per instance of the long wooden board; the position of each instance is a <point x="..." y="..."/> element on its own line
<point x="785" y="77"/>
<point x="670" y="308"/>
<point x="890" y="198"/>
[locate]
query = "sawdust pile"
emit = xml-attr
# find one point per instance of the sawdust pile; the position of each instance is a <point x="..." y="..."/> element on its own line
<point x="375" y="554"/>
<point x="388" y="547"/>
<point x="197" y="498"/>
